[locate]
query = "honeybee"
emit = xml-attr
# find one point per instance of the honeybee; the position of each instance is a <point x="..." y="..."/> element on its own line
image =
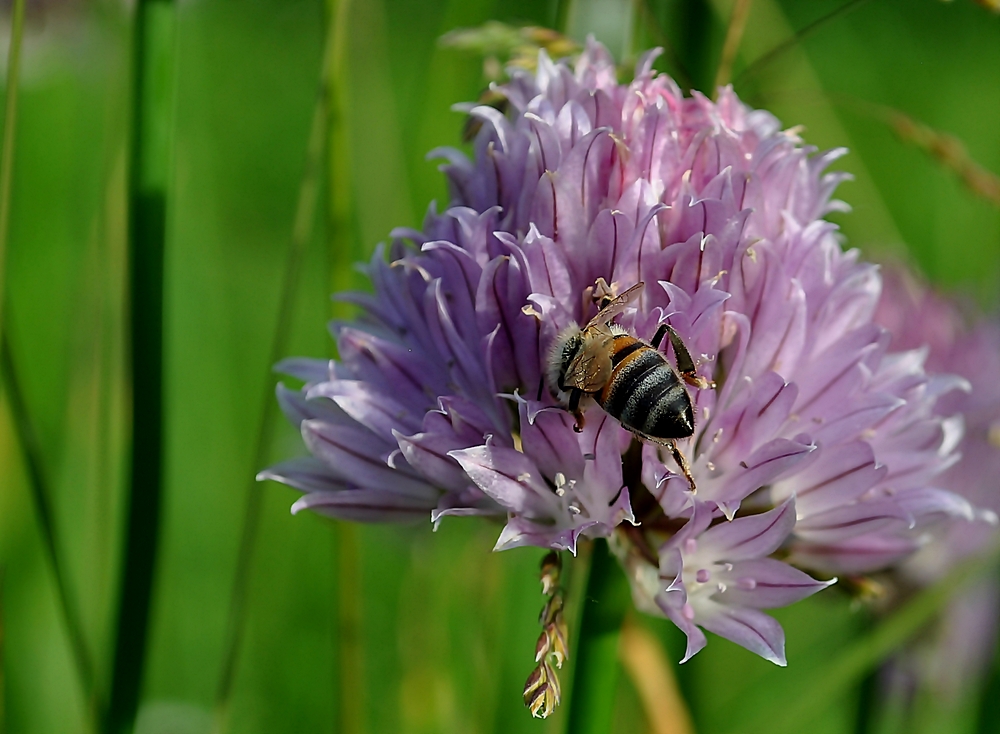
<point x="628" y="377"/>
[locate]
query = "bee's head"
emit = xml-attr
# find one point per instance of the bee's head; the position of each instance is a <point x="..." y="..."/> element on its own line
<point x="564" y="349"/>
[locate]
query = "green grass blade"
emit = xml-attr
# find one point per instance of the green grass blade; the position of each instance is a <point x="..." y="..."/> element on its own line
<point x="153" y="65"/>
<point x="23" y="426"/>
<point x="302" y="230"/>
<point x="3" y="690"/>
<point x="9" y="127"/>
<point x="731" y="46"/>
<point x="41" y="495"/>
<point x="343" y="251"/>
<point x="339" y="204"/>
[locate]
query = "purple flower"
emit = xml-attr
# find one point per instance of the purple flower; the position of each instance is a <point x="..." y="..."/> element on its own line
<point x="959" y="648"/>
<point x="719" y="577"/>
<point x="818" y="443"/>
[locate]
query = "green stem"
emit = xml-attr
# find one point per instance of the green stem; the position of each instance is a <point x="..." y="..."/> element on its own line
<point x="338" y="152"/>
<point x="596" y="670"/>
<point x="27" y="436"/>
<point x="561" y="19"/>
<point x="350" y="682"/>
<point x="351" y="690"/>
<point x="868" y="703"/>
<point x="7" y="149"/>
<point x="153" y="63"/>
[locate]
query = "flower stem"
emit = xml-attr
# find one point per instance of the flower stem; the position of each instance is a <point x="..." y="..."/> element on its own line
<point x="153" y="63"/>
<point x="595" y="673"/>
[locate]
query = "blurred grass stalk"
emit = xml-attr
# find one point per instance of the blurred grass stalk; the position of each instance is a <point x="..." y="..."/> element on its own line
<point x="652" y="675"/>
<point x="731" y="46"/>
<point x="302" y="232"/>
<point x="24" y="428"/>
<point x="38" y="479"/>
<point x="9" y="126"/>
<point x="153" y="64"/>
<point x="3" y="681"/>
<point x="350" y="694"/>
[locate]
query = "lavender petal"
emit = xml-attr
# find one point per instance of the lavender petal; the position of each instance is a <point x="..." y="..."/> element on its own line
<point x="749" y="628"/>
<point x="765" y="583"/>
<point x="750" y="537"/>
<point x="366" y="505"/>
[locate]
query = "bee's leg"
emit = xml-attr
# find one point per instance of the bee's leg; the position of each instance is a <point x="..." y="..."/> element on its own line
<point x="541" y="384"/>
<point x="671" y="446"/>
<point x="683" y="464"/>
<point x="685" y="365"/>
<point x="658" y="336"/>
<point x="574" y="407"/>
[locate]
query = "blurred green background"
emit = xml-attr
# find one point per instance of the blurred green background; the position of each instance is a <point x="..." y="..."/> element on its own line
<point x="376" y="629"/>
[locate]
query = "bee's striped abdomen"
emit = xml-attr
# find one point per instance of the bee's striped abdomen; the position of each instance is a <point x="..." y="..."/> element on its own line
<point x="644" y="393"/>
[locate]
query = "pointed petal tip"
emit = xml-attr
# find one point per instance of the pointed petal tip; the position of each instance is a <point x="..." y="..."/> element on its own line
<point x="693" y="647"/>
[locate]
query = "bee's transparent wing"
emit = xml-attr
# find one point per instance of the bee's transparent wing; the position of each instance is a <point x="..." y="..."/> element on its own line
<point x="615" y="307"/>
<point x="591" y="369"/>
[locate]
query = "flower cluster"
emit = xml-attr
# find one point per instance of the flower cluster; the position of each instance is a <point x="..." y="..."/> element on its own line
<point x="961" y="645"/>
<point x="817" y="448"/>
